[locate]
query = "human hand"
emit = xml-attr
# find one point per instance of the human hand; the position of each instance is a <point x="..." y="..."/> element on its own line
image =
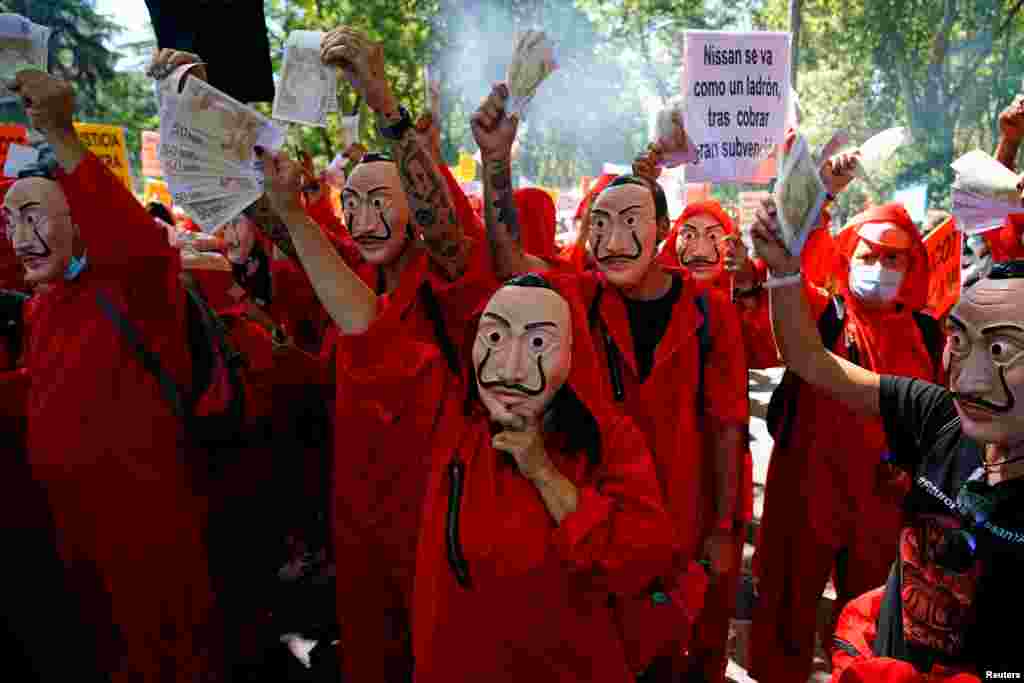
<point x="361" y="60"/>
<point x="493" y="130"/>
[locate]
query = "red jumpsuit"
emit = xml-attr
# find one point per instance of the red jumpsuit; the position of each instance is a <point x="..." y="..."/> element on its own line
<point x="853" y="526"/>
<point x="538" y="608"/>
<point x="665" y="407"/>
<point x="379" y="480"/>
<point x="708" y="651"/>
<point x="105" y="444"/>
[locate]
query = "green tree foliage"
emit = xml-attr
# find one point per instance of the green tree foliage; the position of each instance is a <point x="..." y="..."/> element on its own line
<point x="943" y="67"/>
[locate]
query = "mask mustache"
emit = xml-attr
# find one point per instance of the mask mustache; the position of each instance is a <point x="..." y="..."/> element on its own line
<point x="25" y="253"/>
<point x="701" y="260"/>
<point x="630" y="257"/>
<point x="979" y="402"/>
<point x="519" y="388"/>
<point x="377" y="238"/>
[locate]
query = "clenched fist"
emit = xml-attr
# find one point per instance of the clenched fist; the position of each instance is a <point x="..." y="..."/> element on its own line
<point x="361" y="60"/>
<point x="49" y="102"/>
<point x="493" y="129"/>
<point x="1011" y="120"/>
<point x="283" y="182"/>
<point x="165" y="61"/>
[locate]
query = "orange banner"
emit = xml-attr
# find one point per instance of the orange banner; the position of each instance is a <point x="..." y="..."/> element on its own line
<point x="944" y="245"/>
<point x="11" y="133"/>
<point x="150" y="160"/>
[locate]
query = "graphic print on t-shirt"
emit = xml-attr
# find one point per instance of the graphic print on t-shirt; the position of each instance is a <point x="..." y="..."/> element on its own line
<point x="938" y="603"/>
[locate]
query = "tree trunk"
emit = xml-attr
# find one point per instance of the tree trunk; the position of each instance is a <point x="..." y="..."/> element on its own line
<point x="795" y="21"/>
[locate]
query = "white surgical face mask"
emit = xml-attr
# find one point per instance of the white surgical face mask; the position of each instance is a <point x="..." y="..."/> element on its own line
<point x="874" y="283"/>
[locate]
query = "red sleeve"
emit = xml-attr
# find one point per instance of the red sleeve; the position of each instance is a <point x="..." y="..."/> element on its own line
<point x="116" y="229"/>
<point x="322" y="211"/>
<point x="758" y="337"/>
<point x="1005" y="243"/>
<point x="725" y="374"/>
<point x="619" y="533"/>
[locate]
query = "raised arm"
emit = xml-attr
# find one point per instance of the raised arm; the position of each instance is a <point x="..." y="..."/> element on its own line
<point x="350" y="303"/>
<point x="495" y="132"/>
<point x="1011" y="132"/>
<point x="433" y="211"/>
<point x="795" y="332"/>
<point x="114" y="227"/>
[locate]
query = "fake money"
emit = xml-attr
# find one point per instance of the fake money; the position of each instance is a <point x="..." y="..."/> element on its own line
<point x="799" y="195"/>
<point x="308" y="89"/>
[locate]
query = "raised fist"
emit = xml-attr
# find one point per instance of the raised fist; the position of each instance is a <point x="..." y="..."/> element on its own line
<point x="361" y="60"/>
<point x="493" y="129"/>
<point x="49" y="102"/>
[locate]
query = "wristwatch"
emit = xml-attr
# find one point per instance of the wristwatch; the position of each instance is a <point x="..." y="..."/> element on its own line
<point x="397" y="130"/>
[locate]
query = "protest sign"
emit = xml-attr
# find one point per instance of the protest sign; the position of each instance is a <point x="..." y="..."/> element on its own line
<point x="736" y="87"/>
<point x="944" y="245"/>
<point x="150" y="156"/>
<point x="107" y="143"/>
<point x="157" y="191"/>
<point x="11" y="134"/>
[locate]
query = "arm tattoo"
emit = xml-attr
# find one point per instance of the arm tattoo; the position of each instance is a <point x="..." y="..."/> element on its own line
<point x="432" y="207"/>
<point x="502" y="219"/>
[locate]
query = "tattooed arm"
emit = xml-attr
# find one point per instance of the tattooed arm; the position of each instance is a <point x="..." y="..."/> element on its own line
<point x="431" y="206"/>
<point x="433" y="212"/>
<point x="495" y="132"/>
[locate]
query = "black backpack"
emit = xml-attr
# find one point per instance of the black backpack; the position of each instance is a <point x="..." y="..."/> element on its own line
<point x="782" y="406"/>
<point x="209" y="345"/>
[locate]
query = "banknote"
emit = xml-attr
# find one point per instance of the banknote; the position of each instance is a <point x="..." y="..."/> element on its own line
<point x="194" y="189"/>
<point x="23" y="45"/>
<point x="308" y="89"/>
<point x="799" y="195"/>
<point x="977" y="213"/>
<point x="211" y="214"/>
<point x="207" y="149"/>
<point x="206" y="117"/>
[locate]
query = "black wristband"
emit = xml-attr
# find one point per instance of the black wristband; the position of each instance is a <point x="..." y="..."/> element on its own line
<point x="398" y="130"/>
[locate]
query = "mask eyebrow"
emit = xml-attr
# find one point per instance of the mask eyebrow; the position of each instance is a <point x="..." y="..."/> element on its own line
<point x="545" y="323"/>
<point x="634" y="207"/>
<point x="1003" y="327"/>
<point x="498" y="318"/>
<point x="594" y="212"/>
<point x="28" y="205"/>
<point x="694" y="227"/>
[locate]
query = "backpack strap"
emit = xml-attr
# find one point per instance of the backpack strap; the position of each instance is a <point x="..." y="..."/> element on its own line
<point x="150" y="361"/>
<point x="703" y="348"/>
<point x="934" y="339"/>
<point x="433" y="311"/>
<point x="218" y="335"/>
<point x="612" y="351"/>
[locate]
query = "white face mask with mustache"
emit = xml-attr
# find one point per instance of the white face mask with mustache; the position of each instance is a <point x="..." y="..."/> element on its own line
<point x="875" y="283"/>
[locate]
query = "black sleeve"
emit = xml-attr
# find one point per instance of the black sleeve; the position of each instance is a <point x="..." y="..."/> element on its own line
<point x="914" y="413"/>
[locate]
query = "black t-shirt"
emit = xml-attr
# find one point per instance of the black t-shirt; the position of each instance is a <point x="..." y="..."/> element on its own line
<point x="648" y="321"/>
<point x="963" y="571"/>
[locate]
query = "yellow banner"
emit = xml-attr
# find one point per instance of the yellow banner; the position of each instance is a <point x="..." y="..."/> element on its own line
<point x="107" y="143"/>
<point x="466" y="170"/>
<point x="157" y="191"/>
